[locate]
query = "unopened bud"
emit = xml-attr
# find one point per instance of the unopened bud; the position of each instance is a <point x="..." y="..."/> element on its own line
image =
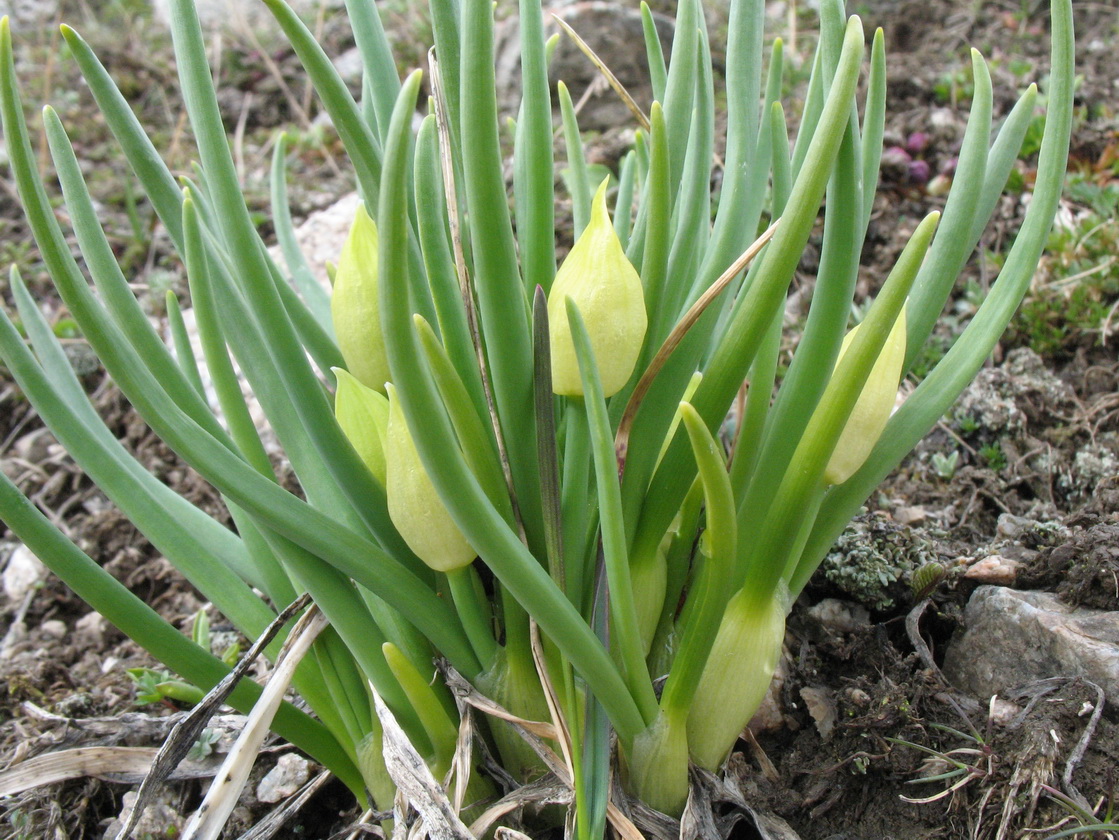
<point x="606" y="288"/>
<point x="363" y="415"/>
<point x="414" y="505"/>
<point x="736" y="677"/>
<point x="873" y="408"/>
<point x="355" y="306"/>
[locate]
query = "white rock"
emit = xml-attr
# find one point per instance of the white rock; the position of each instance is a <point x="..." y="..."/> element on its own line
<point x="160" y="817"/>
<point x="89" y="630"/>
<point x="22" y="574"/>
<point x="54" y="629"/>
<point x="321" y="236"/>
<point x="289" y="775"/>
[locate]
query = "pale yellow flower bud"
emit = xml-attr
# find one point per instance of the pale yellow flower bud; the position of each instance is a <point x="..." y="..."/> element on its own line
<point x="736" y="677"/>
<point x="355" y="306"/>
<point x="363" y="415"/>
<point x="873" y="408"/>
<point x="414" y="505"/>
<point x="607" y="289"/>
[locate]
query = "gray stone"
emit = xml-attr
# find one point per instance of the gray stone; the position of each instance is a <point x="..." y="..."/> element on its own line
<point x="289" y="775"/>
<point x="1012" y="638"/>
<point x="1019" y="393"/>
<point x="160" y="817"/>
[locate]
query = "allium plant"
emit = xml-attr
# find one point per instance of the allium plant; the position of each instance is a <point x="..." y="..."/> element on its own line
<point x="489" y="445"/>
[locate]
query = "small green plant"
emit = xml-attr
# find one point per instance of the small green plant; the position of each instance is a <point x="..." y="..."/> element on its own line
<point x="954" y="86"/>
<point x="945" y="465"/>
<point x="1073" y="304"/>
<point x="955" y="768"/>
<point x="204" y="745"/>
<point x="1082" y="813"/>
<point x="993" y="456"/>
<point x="512" y="464"/>
<point x="159" y="686"/>
<point x="967" y="424"/>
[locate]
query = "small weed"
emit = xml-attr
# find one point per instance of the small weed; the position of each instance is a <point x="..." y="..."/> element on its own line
<point x="954" y="86"/>
<point x="145" y="682"/>
<point x="956" y="767"/>
<point x="1076" y="305"/>
<point x="993" y="456"/>
<point x="967" y="424"/>
<point x="945" y="465"/>
<point x="1089" y="822"/>
<point x="204" y="746"/>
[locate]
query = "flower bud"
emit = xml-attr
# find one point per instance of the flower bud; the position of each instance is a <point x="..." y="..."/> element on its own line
<point x="414" y="505"/>
<point x="363" y="415"/>
<point x="873" y="407"/>
<point x="605" y="287"/>
<point x="355" y="306"/>
<point x="736" y="677"/>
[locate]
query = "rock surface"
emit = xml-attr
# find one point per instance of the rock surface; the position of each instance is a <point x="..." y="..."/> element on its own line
<point x="289" y="775"/>
<point x="1014" y="637"/>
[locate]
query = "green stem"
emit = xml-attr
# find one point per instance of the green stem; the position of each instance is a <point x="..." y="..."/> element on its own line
<point x="472" y="611"/>
<point x="623" y="610"/>
<point x="575" y="502"/>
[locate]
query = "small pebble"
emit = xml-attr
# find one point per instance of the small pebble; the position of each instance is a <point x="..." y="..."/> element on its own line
<point x="995" y="570"/>
<point x="1002" y="712"/>
<point x="910" y="515"/>
<point x="22" y="574"/>
<point x="840" y="616"/>
<point x="917" y="142"/>
<point x="938" y="186"/>
<point x="289" y="775"/>
<point x="89" y="630"/>
<point x="857" y="697"/>
<point x="919" y="171"/>
<point x="53" y="629"/>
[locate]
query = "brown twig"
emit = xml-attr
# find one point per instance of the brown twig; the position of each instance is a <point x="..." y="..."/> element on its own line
<point x="186" y="731"/>
<point x="621" y="440"/>
<point x="611" y="79"/>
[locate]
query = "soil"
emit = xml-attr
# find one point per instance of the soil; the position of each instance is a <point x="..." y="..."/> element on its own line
<point x="1026" y="466"/>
